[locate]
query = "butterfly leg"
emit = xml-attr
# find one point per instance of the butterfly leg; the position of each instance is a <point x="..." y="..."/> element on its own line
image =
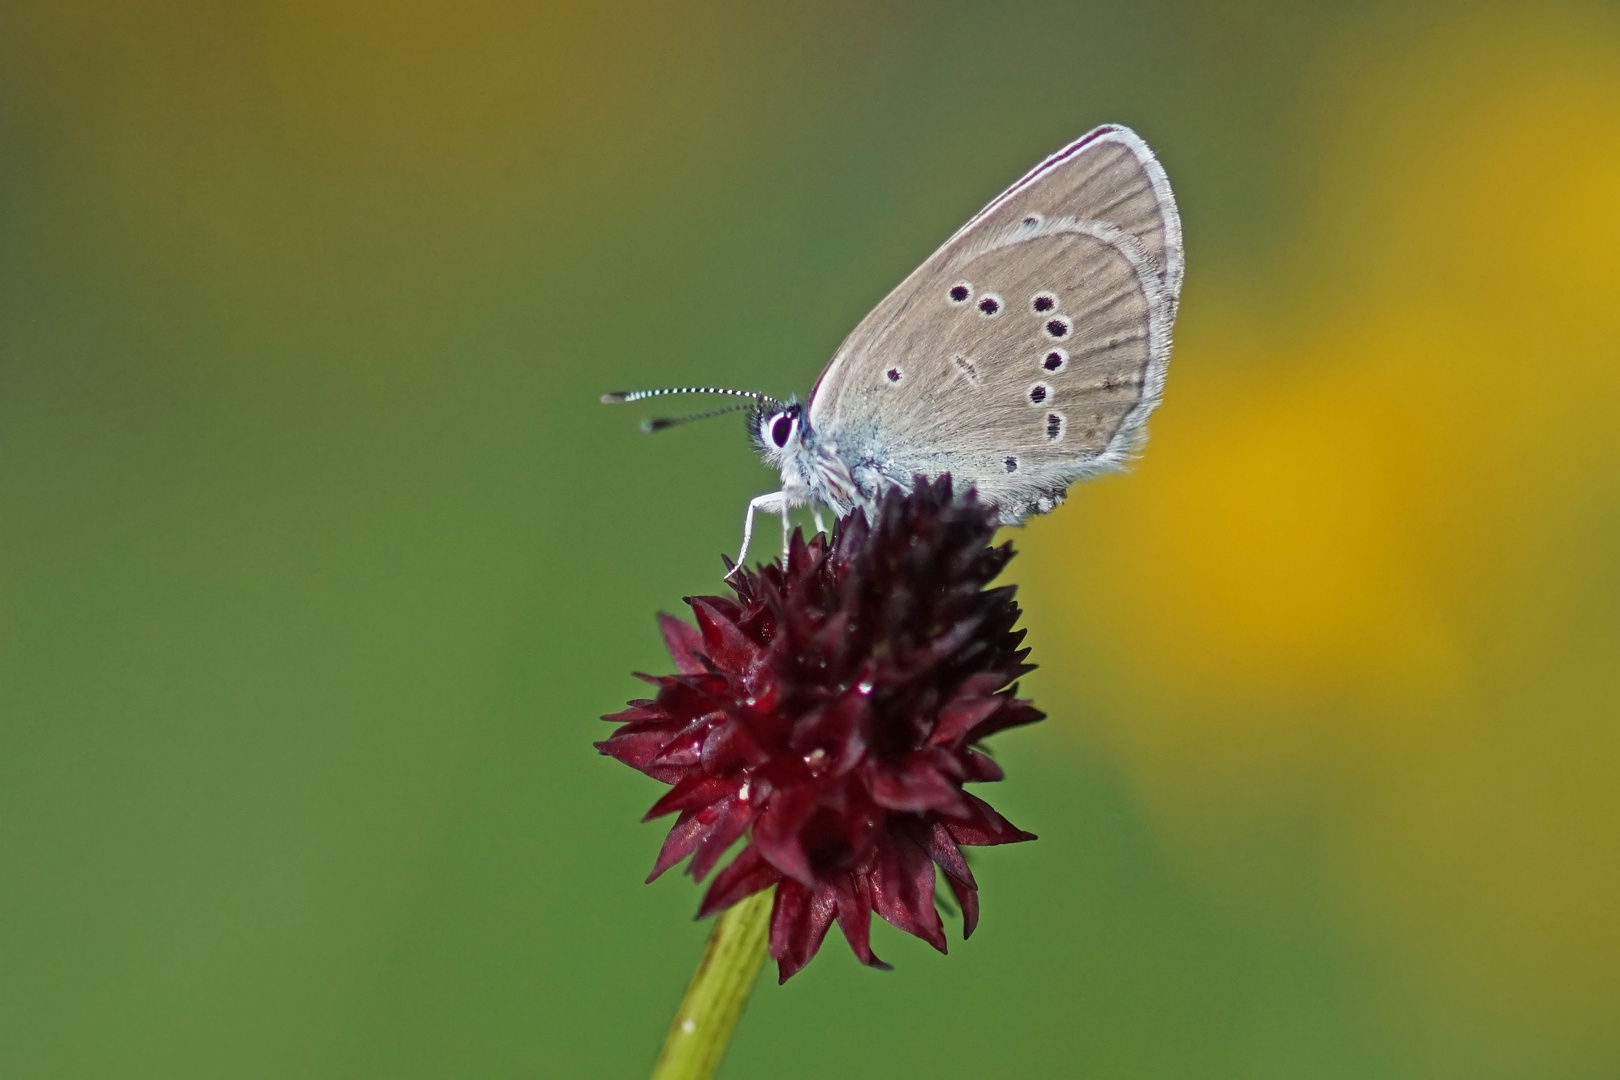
<point x="821" y="526"/>
<point x="774" y="503"/>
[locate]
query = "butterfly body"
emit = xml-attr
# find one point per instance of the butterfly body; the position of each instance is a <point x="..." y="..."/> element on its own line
<point x="1023" y="355"/>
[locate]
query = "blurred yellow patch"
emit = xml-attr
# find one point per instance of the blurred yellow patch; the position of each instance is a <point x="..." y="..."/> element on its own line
<point x="1320" y="506"/>
<point x="1368" y="560"/>
<point x="1267" y="548"/>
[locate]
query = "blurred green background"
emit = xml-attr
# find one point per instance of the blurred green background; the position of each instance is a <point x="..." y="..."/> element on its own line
<point x="318" y="559"/>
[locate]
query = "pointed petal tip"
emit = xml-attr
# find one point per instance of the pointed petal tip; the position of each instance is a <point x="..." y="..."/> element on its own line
<point x="872" y="961"/>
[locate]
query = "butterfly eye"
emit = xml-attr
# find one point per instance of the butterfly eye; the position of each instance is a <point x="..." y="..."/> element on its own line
<point x="781" y="429"/>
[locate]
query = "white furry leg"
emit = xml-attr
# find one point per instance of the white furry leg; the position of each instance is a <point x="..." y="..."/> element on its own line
<point x="774" y="503"/>
<point x="821" y="526"/>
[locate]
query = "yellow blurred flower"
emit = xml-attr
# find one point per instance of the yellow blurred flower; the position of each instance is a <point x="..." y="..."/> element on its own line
<point x="1367" y="565"/>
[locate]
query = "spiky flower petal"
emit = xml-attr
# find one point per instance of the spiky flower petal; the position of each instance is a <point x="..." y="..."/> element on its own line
<point x="831" y="713"/>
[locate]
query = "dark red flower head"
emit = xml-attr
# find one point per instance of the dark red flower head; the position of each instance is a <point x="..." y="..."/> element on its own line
<point x="833" y="712"/>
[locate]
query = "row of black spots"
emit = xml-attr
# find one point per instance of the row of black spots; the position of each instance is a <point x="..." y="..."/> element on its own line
<point x="894" y="376"/>
<point x="1054" y="426"/>
<point x="1038" y="393"/>
<point x="1058" y="327"/>
<point x="1012" y="464"/>
<point x="1055" y="360"/>
<point x="1044" y="301"/>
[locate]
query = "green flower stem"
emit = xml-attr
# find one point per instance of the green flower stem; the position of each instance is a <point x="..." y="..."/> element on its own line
<point x="701" y="1030"/>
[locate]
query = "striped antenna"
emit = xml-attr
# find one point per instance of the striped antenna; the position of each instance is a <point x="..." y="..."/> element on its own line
<point x="621" y="396"/>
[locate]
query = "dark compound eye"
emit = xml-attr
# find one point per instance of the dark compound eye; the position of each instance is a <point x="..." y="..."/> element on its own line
<point x="990" y="305"/>
<point x="1054" y="360"/>
<point x="782" y="430"/>
<point x="1057" y="327"/>
<point x="1043" y="302"/>
<point x="959" y="293"/>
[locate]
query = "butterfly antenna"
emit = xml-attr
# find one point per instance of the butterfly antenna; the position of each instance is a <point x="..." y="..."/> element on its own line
<point x="621" y="396"/>
<point x="659" y="423"/>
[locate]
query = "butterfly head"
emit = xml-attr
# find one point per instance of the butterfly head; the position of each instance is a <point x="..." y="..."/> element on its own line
<point x="778" y="430"/>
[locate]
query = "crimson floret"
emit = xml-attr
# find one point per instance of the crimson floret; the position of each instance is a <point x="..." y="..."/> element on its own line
<point x="832" y="712"/>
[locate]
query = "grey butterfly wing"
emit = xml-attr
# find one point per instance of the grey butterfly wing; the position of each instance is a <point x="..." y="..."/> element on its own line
<point x="1108" y="174"/>
<point x="931" y="383"/>
<point x="1027" y="363"/>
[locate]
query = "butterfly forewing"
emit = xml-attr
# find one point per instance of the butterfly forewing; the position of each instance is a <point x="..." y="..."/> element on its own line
<point x="1041" y="375"/>
<point x="1107" y="175"/>
<point x="1028" y="351"/>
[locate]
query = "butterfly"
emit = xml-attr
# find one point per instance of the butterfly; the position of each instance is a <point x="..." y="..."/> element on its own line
<point x="1025" y="354"/>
